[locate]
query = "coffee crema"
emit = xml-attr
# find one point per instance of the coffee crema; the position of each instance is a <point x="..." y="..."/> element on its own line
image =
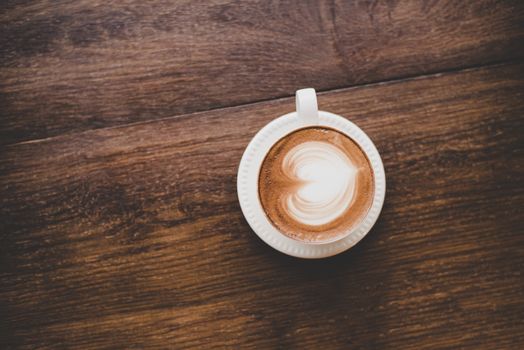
<point x="316" y="184"/>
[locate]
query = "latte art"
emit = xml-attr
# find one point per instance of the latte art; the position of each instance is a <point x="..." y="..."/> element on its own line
<point x="326" y="182"/>
<point x="315" y="185"/>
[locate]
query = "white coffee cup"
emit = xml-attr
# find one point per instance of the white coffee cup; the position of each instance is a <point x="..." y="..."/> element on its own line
<point x="306" y="115"/>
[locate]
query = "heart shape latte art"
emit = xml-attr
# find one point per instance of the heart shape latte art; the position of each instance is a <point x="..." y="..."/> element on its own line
<point x="326" y="180"/>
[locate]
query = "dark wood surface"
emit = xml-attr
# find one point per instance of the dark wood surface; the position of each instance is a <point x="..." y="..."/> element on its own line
<point x="89" y="64"/>
<point x="119" y="221"/>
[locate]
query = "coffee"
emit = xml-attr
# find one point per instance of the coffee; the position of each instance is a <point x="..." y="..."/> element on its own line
<point x="316" y="184"/>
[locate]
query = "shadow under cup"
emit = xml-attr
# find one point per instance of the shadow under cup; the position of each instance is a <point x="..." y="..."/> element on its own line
<point x="316" y="185"/>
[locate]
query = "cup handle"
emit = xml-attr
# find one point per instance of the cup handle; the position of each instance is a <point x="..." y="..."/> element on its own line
<point x="307" y="108"/>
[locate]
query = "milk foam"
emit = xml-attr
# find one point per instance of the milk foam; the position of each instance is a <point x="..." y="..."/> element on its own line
<point x="326" y="180"/>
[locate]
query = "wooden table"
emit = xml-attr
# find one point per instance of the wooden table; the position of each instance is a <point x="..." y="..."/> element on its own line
<point x="121" y="128"/>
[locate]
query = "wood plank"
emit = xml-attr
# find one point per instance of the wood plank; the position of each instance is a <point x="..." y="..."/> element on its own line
<point x="79" y="65"/>
<point x="133" y="237"/>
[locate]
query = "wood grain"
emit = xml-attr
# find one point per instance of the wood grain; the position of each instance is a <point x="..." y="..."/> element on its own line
<point x="132" y="237"/>
<point x="78" y="65"/>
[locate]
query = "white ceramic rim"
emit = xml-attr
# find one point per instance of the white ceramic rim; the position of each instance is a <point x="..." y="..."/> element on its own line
<point x="247" y="185"/>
